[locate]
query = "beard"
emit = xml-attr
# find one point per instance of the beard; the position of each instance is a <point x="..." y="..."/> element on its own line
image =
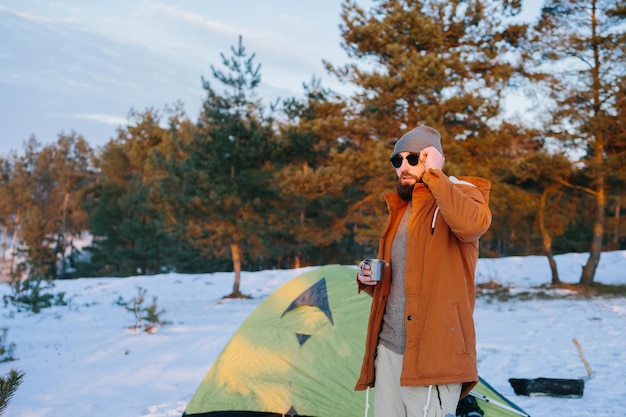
<point x="405" y="191"/>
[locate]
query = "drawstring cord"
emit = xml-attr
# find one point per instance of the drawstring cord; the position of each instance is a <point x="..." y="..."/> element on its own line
<point x="367" y="401"/>
<point x="432" y="226"/>
<point x="430" y="389"/>
<point x="439" y="396"/>
<point x="455" y="181"/>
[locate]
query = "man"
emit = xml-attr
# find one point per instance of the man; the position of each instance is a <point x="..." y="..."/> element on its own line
<point x="420" y="351"/>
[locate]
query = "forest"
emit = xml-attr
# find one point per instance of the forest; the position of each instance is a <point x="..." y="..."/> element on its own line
<point x="247" y="185"/>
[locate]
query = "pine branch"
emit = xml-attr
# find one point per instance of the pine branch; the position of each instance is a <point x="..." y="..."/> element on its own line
<point x="8" y="386"/>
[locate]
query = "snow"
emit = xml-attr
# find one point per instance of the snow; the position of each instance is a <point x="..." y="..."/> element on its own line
<point x="83" y="359"/>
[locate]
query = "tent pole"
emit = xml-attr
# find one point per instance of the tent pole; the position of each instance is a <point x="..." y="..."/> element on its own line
<point x="497" y="403"/>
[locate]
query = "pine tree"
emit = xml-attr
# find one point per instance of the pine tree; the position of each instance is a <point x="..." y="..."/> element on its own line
<point x="35" y="185"/>
<point x="9" y="213"/>
<point x="442" y="63"/>
<point x="129" y="237"/>
<point x="170" y="197"/>
<point x="513" y="204"/>
<point x="228" y="169"/>
<point x="43" y="203"/>
<point x="316" y="181"/>
<point x="72" y="167"/>
<point x="543" y="174"/>
<point x="581" y="44"/>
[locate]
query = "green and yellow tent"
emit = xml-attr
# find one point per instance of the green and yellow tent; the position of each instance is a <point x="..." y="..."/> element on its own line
<point x="299" y="354"/>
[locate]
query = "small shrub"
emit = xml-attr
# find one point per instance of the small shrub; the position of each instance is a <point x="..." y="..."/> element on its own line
<point x="6" y="351"/>
<point x="32" y="293"/>
<point x="146" y="317"/>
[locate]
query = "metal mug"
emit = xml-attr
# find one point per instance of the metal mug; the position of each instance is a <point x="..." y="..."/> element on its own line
<point x="377" y="266"/>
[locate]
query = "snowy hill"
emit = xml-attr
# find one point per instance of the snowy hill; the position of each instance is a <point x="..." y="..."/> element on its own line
<point x="83" y="360"/>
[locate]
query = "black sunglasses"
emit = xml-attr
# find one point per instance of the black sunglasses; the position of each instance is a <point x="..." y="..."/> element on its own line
<point x="412" y="159"/>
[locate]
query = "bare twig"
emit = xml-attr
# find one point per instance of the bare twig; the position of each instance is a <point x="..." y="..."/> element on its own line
<point x="582" y="357"/>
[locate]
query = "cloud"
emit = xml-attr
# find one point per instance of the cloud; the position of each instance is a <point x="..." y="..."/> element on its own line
<point x="262" y="27"/>
<point x="196" y="19"/>
<point x="26" y="15"/>
<point x="82" y="65"/>
<point x="108" y="119"/>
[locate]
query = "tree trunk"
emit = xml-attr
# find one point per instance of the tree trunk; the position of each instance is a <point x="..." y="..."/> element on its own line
<point x="5" y="236"/>
<point x="616" y="228"/>
<point x="236" y="255"/>
<point x="546" y="238"/>
<point x="589" y="270"/>
<point x="14" y="250"/>
<point x="298" y="257"/>
<point x="66" y="201"/>
<point x="598" y="162"/>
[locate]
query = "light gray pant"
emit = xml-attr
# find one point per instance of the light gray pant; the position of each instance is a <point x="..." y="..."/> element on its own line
<point x="392" y="400"/>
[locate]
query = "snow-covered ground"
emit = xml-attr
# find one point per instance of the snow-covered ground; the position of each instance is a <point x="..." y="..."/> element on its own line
<point x="83" y="360"/>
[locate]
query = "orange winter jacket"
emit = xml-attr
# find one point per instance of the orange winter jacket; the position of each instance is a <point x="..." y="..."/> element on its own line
<point x="449" y="216"/>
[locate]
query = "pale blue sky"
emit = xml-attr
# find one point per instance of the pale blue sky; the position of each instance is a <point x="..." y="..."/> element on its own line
<point x="82" y="65"/>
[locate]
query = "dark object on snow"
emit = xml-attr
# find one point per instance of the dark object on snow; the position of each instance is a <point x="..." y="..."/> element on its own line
<point x="468" y="407"/>
<point x="548" y="386"/>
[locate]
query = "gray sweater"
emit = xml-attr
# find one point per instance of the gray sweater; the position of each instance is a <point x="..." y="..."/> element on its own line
<point x="392" y="334"/>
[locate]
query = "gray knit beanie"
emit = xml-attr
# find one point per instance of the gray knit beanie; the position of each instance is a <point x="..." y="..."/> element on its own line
<point x="417" y="139"/>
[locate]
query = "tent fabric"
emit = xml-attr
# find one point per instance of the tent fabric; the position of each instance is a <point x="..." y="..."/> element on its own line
<point x="299" y="354"/>
<point x="489" y="399"/>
